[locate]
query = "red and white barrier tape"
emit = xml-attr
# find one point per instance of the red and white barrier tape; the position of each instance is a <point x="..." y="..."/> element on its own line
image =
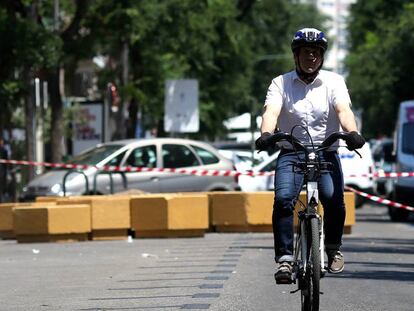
<point x="380" y="200"/>
<point x="384" y="175"/>
<point x="137" y="169"/>
<point x="180" y="170"/>
<point x="213" y="173"/>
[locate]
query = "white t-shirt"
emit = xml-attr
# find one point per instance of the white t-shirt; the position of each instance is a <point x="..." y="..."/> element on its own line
<point x="310" y="105"/>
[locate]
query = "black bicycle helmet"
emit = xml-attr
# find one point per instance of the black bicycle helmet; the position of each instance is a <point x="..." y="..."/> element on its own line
<point x="309" y="37"/>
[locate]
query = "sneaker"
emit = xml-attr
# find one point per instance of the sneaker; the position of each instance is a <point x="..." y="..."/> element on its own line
<point x="336" y="262"/>
<point x="283" y="274"/>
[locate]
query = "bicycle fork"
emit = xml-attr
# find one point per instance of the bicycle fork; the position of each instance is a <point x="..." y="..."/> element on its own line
<point x="312" y="198"/>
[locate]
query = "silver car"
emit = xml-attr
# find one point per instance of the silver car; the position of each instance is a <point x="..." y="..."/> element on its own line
<point x="154" y="153"/>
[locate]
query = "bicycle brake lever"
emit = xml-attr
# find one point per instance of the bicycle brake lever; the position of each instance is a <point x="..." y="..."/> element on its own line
<point x="354" y="150"/>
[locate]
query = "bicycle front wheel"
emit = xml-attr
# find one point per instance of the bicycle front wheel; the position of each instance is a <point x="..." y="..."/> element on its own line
<point x="310" y="296"/>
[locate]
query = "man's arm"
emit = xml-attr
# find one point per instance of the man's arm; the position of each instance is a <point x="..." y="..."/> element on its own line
<point x="346" y="117"/>
<point x="269" y="118"/>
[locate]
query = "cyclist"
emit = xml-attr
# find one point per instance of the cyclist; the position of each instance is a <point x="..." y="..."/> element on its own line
<point x="319" y="102"/>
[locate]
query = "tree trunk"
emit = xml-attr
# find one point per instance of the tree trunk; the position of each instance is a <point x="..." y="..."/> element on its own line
<point x="120" y="115"/>
<point x="30" y="121"/>
<point x="133" y="118"/>
<point x="56" y="105"/>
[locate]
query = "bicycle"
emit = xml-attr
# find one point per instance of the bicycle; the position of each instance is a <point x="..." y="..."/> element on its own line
<point x="309" y="263"/>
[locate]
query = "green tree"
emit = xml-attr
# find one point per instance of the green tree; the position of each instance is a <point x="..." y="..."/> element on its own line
<point x="217" y="42"/>
<point x="26" y="49"/>
<point x="379" y="61"/>
<point x="221" y="43"/>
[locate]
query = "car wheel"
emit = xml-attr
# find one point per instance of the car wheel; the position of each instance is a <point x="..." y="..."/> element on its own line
<point x="359" y="201"/>
<point x="397" y="214"/>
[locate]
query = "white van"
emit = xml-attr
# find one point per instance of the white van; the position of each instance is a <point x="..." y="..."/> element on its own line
<point x="404" y="160"/>
<point x="355" y="167"/>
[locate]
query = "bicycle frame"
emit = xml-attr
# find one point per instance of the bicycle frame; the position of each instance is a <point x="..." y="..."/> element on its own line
<point x="311" y="176"/>
<point x="312" y="199"/>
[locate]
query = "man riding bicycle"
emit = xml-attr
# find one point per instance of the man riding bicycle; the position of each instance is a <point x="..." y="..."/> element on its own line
<point x="318" y="101"/>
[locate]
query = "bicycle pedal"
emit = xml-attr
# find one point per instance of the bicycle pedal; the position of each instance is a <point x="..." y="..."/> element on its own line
<point x="283" y="280"/>
<point x="321" y="293"/>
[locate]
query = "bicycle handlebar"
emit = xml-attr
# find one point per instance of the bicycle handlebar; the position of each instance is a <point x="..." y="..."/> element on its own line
<point x="278" y="136"/>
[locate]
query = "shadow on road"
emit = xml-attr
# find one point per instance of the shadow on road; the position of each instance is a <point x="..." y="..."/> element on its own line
<point x="370" y="217"/>
<point x="391" y="275"/>
<point x="379" y="245"/>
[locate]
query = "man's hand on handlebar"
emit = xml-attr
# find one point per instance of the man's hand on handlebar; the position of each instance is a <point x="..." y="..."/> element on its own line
<point x="262" y="142"/>
<point x="355" y="141"/>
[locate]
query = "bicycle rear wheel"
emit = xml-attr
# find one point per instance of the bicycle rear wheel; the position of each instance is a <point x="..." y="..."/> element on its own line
<point x="311" y="283"/>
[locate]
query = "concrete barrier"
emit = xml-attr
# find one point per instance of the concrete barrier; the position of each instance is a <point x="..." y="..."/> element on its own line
<point x="241" y="211"/>
<point x="47" y="199"/>
<point x="6" y="220"/>
<point x="52" y="223"/>
<point x="252" y="211"/>
<point x="147" y="215"/>
<point x="169" y="215"/>
<point x="6" y="217"/>
<point x="110" y="215"/>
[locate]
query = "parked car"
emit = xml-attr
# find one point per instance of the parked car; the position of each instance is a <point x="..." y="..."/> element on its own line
<point x="352" y="164"/>
<point x="152" y="153"/>
<point x="243" y="159"/>
<point x="403" y="155"/>
<point x="241" y="154"/>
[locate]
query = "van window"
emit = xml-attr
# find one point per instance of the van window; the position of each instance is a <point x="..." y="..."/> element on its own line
<point x="407" y="138"/>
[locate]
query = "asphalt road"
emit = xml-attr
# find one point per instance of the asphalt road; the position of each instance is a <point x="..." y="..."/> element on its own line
<point x="218" y="272"/>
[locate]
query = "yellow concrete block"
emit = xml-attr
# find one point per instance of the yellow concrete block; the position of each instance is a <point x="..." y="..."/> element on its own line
<point x="110" y="215"/>
<point x="188" y="212"/>
<point x="164" y="215"/>
<point x="350" y="208"/>
<point x="6" y="218"/>
<point x="47" y="199"/>
<point x="241" y="211"/>
<point x="69" y="219"/>
<point x="51" y="222"/>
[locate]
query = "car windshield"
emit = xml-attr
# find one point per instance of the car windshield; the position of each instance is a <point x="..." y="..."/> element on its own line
<point x="95" y="155"/>
<point x="408" y="141"/>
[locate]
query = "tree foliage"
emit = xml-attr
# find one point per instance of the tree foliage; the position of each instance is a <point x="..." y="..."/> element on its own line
<point x="234" y="49"/>
<point x="20" y="48"/>
<point x="380" y="60"/>
<point x="221" y="43"/>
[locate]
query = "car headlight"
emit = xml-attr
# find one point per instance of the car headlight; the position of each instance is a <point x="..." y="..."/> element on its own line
<point x="56" y="188"/>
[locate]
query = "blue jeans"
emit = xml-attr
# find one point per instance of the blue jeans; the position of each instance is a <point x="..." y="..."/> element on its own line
<point x="288" y="185"/>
